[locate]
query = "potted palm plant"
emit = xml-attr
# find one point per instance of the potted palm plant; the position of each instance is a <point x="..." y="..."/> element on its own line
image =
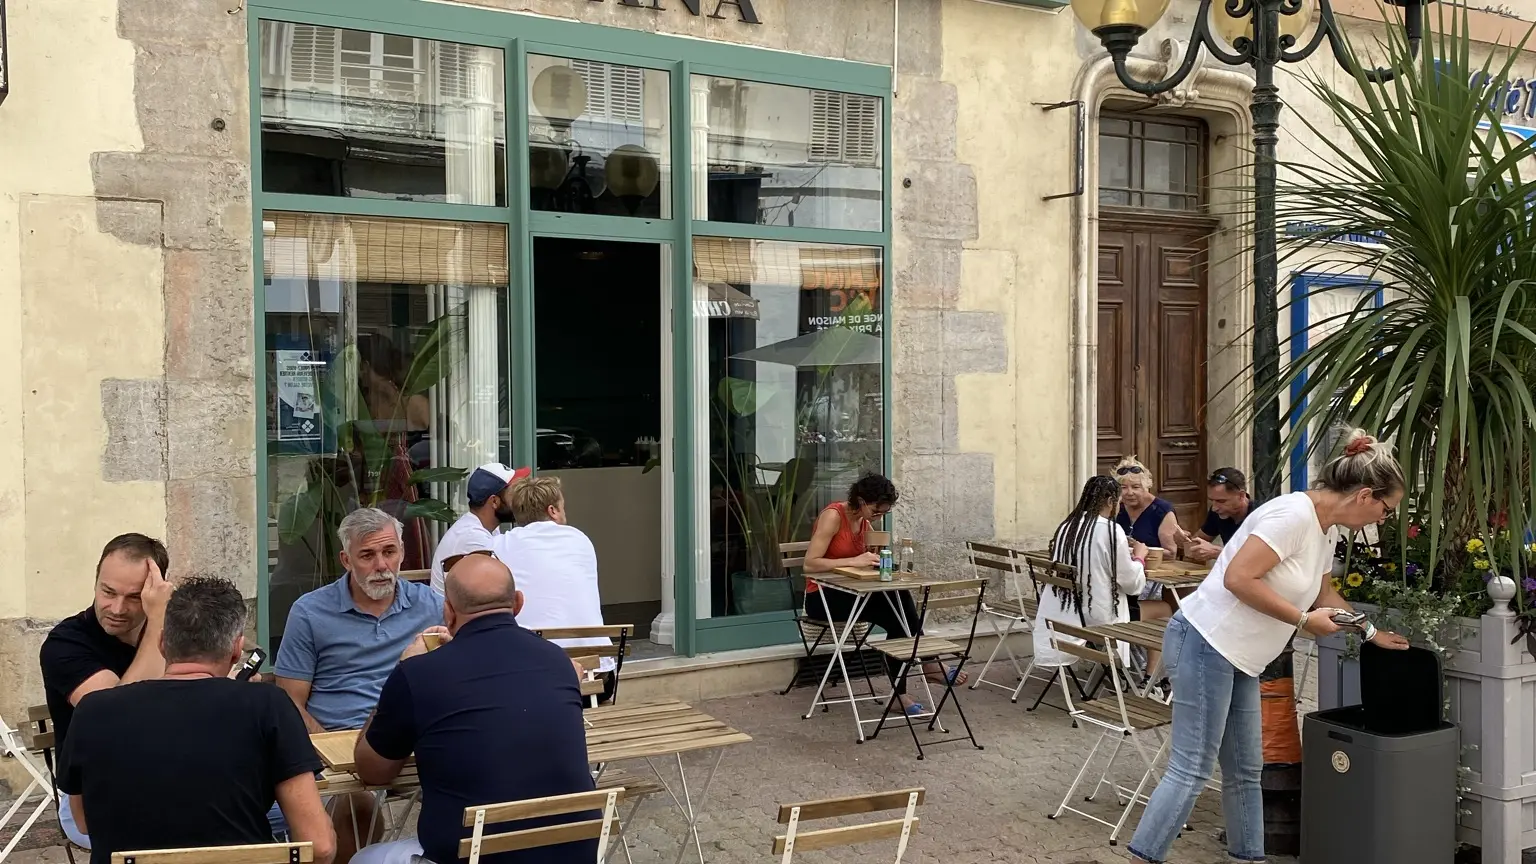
<point x="1442" y="367"/>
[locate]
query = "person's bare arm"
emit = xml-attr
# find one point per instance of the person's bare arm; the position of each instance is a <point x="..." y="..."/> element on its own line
<point x="298" y="690"/>
<point x="1330" y="598"/>
<point x="373" y="769"/>
<point x="816" y="560"/>
<point x="1245" y="579"/>
<point x="77" y="809"/>
<point x="299" y="799"/>
<point x="1168" y="533"/>
<point x="147" y="663"/>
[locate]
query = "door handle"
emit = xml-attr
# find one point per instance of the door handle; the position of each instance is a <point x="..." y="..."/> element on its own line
<point x="1184" y="445"/>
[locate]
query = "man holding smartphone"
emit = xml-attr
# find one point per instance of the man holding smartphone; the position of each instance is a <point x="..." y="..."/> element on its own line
<point x="125" y="765"/>
<point x="116" y="641"/>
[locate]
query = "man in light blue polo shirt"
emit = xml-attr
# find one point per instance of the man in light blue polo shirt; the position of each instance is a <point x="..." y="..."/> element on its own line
<point x="344" y="639"/>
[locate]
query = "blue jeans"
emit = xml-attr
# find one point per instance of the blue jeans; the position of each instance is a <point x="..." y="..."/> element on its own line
<point x="1215" y="714"/>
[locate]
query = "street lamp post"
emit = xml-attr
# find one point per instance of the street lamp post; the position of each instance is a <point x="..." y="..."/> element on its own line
<point x="1262" y="34"/>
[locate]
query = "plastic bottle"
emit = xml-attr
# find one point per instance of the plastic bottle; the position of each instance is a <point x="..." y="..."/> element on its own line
<point x="908" y="556"/>
<point x="885" y="565"/>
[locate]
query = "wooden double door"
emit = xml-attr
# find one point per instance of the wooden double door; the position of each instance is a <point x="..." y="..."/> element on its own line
<point x="1152" y="350"/>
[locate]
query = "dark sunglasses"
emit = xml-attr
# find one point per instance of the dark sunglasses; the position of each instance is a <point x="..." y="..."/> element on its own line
<point x="1128" y="469"/>
<point x="454" y="559"/>
<point x="1218" y="478"/>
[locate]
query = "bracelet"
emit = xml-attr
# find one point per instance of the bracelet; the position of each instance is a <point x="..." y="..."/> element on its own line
<point x="1141" y="561"/>
<point x="1301" y="624"/>
<point x="1370" y="631"/>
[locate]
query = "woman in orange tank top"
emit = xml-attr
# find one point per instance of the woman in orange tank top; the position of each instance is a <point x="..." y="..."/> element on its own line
<point x="839" y="541"/>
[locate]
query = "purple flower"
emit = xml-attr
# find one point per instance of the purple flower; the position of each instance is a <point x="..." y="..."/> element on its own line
<point x="1413" y="569"/>
<point x="1530" y="583"/>
<point x="1487" y="575"/>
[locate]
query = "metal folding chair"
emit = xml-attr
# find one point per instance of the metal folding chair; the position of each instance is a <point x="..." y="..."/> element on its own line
<point x="794" y="840"/>
<point x="29" y="752"/>
<point x="1013" y="613"/>
<point x="479" y="843"/>
<point x="618" y="647"/>
<point x="1122" y="714"/>
<point x="1045" y="574"/>
<point x="815" y="633"/>
<point x="914" y="652"/>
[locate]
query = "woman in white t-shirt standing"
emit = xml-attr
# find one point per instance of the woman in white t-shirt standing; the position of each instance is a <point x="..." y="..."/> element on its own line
<point x="1255" y="599"/>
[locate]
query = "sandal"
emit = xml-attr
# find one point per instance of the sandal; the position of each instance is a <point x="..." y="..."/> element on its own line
<point x="950" y="676"/>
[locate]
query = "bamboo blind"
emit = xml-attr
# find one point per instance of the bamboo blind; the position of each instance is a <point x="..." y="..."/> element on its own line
<point x="376" y="249"/>
<point x="806" y="265"/>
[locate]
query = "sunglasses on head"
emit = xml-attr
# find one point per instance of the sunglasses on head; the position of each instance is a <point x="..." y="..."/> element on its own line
<point x="1128" y="469"/>
<point x="1219" y="478"/>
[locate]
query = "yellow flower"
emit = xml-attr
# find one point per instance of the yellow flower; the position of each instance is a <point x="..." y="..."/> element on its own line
<point x="1337" y="585"/>
<point x="1354" y="580"/>
<point x="1504" y="535"/>
<point x="1480" y="563"/>
<point x="1389" y="567"/>
<point x="1475" y="545"/>
<point x="1531" y="548"/>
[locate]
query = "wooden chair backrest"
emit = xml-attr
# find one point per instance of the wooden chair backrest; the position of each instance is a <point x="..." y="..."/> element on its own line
<point x="416" y="575"/>
<point x="533" y="808"/>
<point x="622" y="632"/>
<point x="792" y="555"/>
<point x="38" y="732"/>
<point x="1044" y="571"/>
<point x="961" y="592"/>
<point x="1086" y="651"/>
<point x="265" y="853"/>
<point x="827" y="808"/>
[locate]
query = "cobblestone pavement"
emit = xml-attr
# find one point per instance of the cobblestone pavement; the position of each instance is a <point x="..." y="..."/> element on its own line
<point x="987" y="805"/>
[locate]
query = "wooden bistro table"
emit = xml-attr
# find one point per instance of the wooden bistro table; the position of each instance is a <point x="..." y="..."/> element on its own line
<point x="642" y="730"/>
<point x="864" y="585"/>
<point x="1178" y="576"/>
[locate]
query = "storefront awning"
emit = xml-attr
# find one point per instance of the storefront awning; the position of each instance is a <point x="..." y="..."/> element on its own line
<point x="375" y="249"/>
<point x="722" y="301"/>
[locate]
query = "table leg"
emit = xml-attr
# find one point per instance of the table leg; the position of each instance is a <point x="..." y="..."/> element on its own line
<point x="685" y="805"/>
<point x="840" y="641"/>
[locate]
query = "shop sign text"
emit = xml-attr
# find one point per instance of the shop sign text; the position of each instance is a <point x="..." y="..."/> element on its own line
<point x="744" y="10"/>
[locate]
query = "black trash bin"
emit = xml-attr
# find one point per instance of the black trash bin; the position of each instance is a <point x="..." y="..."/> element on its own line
<point x="1378" y="780"/>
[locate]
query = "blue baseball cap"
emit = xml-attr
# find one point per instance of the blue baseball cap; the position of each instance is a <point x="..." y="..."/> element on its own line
<point x="492" y="479"/>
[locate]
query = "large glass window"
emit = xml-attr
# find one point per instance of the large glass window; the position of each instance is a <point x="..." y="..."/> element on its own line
<point x="373" y="115"/>
<point x="599" y="138"/>
<point x="386" y="380"/>
<point x="769" y="154"/>
<point x="788" y="395"/>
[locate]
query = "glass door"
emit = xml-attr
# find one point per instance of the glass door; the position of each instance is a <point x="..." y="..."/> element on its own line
<point x="603" y="415"/>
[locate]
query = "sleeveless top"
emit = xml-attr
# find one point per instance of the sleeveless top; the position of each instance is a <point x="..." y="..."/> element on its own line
<point x="845" y="543"/>
<point x="1145" y="528"/>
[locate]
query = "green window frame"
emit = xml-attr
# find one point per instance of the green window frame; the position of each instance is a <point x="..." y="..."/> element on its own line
<point x="518" y="36"/>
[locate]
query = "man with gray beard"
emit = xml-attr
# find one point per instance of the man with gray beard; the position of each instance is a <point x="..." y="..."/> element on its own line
<point x="343" y="640"/>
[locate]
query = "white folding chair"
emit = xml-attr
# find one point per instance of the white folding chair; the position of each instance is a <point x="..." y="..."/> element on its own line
<point x="28" y="754"/>
<point x="794" y="840"/>
<point x="1121" y="714"/>
<point x="479" y="843"/>
<point x="1013" y="612"/>
<point x="1045" y="575"/>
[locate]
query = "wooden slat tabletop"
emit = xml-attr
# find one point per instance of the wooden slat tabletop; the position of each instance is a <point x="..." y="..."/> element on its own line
<point x="902" y="582"/>
<point x="1146" y="634"/>
<point x="614" y="733"/>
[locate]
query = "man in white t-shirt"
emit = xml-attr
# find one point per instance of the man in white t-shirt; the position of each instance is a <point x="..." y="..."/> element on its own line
<point x="554" y="564"/>
<point x="489" y="507"/>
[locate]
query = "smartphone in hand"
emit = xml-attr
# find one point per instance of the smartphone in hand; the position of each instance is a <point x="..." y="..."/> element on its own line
<point x="1349" y="619"/>
<point x="252" y="664"/>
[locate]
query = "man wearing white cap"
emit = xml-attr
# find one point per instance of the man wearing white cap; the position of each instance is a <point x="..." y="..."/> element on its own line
<point x="489" y="508"/>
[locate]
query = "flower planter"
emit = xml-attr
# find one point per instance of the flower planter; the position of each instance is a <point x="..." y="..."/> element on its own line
<point x="753" y="594"/>
<point x="1491" y="687"/>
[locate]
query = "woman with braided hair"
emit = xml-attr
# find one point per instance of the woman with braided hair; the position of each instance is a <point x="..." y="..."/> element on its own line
<point x="1107" y="568"/>
<point x="1267" y="585"/>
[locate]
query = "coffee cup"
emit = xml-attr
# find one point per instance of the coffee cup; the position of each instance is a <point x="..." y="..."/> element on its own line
<point x="1154" y="554"/>
<point x="433" y="640"/>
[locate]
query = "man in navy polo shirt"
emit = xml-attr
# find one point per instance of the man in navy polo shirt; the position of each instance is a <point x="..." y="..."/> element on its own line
<point x="493" y="715"/>
<point x="342" y="640"/>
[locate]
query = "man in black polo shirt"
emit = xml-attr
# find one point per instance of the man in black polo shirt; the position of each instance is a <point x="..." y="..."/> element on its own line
<point x="492" y="715"/>
<point x="116" y="641"/>
<point x="129" y="764"/>
<point x="1227" y="490"/>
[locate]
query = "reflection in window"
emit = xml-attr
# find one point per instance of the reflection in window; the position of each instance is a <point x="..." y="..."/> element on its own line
<point x="373" y="115"/>
<point x="386" y="380"/>
<point x="778" y="155"/>
<point x="599" y="138"/>
<point x="1144" y="163"/>
<point x="790" y="386"/>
